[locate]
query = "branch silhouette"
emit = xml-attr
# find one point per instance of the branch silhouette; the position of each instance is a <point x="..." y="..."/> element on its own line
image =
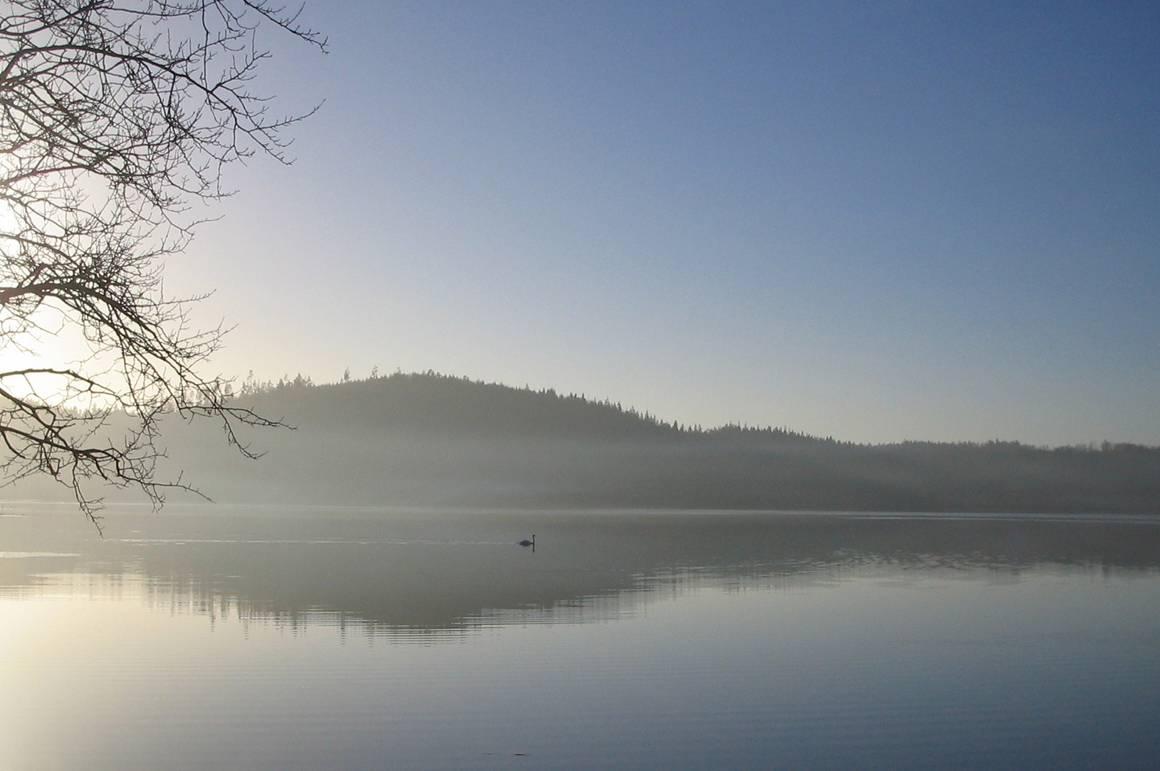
<point x="115" y="120"/>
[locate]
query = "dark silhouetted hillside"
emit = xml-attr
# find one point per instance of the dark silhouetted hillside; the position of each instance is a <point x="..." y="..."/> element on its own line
<point x="431" y="439"/>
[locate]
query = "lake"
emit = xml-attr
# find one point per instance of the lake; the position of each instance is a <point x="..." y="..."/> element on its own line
<point x="283" y="638"/>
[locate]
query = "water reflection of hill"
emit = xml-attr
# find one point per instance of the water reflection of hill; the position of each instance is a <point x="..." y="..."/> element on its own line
<point x="452" y="571"/>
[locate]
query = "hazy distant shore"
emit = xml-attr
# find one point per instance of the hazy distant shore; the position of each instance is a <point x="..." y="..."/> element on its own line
<point x="442" y="441"/>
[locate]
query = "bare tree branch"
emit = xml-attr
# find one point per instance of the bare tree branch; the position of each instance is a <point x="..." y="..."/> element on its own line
<point x="116" y="116"/>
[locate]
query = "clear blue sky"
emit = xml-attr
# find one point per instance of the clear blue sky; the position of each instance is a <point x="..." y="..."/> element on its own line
<point x="872" y="220"/>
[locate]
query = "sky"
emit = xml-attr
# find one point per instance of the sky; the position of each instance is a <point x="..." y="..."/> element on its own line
<point x="877" y="221"/>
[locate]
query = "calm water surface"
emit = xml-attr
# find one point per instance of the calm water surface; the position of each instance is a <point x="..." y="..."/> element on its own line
<point x="281" y="639"/>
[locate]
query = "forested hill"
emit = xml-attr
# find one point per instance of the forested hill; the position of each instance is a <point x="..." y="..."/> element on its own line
<point x="435" y="404"/>
<point x="429" y="439"/>
<point x="439" y="440"/>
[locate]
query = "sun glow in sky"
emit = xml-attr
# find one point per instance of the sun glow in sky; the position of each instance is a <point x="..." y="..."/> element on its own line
<point x="49" y="343"/>
<point x="877" y="221"/>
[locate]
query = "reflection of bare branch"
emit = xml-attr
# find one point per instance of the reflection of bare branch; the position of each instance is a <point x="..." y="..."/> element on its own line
<point x="114" y="118"/>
